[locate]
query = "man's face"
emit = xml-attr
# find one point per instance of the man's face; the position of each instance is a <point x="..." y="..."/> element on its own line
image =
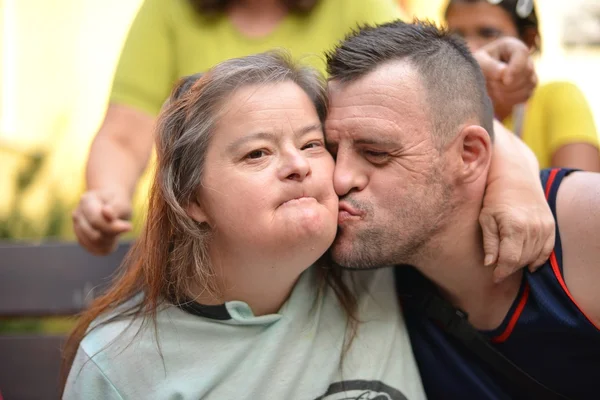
<point x="388" y="169"/>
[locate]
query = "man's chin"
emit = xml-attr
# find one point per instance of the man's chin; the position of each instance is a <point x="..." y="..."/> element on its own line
<point x="346" y="256"/>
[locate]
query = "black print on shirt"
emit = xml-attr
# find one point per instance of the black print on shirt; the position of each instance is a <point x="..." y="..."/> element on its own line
<point x="361" y="390"/>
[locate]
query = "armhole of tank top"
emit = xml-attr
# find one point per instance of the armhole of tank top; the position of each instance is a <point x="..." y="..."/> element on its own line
<point x="515" y="313"/>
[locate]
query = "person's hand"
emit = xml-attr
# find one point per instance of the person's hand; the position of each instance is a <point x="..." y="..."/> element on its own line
<point x="509" y="71"/>
<point x="99" y="219"/>
<point x="517" y="223"/>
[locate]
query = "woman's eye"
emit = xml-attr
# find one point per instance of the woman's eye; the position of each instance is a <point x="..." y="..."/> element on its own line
<point x="253" y="155"/>
<point x="312" y="145"/>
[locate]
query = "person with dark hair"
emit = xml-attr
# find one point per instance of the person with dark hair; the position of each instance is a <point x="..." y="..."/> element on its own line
<point x="223" y="295"/>
<point x="556" y="122"/>
<point x="412" y="131"/>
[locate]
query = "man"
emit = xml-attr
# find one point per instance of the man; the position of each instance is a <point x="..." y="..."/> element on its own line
<point x="412" y="129"/>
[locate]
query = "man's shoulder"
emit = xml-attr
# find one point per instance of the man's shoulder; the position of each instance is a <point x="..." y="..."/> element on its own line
<point x="578" y="221"/>
<point x="578" y="203"/>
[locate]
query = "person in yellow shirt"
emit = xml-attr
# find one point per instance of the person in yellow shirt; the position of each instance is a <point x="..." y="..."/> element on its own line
<point x="174" y="38"/>
<point x="556" y="123"/>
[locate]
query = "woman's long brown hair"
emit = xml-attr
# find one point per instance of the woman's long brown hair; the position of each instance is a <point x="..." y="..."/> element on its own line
<point x="170" y="256"/>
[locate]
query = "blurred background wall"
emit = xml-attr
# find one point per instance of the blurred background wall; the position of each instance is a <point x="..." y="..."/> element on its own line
<point x="57" y="58"/>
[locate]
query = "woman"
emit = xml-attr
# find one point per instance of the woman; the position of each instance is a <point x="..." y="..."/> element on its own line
<point x="556" y="122"/>
<point x="221" y="297"/>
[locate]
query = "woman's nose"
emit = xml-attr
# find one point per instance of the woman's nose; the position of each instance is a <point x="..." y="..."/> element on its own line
<point x="295" y="165"/>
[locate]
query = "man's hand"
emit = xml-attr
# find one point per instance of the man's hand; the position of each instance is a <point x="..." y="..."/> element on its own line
<point x="509" y="71"/>
<point x="99" y="219"/>
<point x="517" y="223"/>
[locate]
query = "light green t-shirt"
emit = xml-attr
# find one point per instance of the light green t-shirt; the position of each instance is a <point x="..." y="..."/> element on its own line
<point x="168" y="40"/>
<point x="295" y="354"/>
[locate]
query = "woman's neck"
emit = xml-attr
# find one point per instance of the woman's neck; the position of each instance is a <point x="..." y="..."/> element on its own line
<point x="263" y="284"/>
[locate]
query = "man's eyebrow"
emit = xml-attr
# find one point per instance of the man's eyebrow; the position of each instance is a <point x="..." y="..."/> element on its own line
<point x="270" y="136"/>
<point x="377" y="141"/>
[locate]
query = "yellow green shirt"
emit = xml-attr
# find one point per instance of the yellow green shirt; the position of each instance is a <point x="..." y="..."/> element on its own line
<point x="556" y="115"/>
<point x="168" y="39"/>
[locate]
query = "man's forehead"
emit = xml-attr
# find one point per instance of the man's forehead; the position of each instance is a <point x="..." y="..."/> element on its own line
<point x="396" y="74"/>
<point x="382" y="104"/>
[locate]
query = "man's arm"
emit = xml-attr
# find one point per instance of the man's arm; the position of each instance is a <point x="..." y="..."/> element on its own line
<point x="118" y="156"/>
<point x="578" y="212"/>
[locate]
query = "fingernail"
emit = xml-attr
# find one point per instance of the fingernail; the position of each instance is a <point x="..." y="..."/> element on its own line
<point x="489" y="259"/>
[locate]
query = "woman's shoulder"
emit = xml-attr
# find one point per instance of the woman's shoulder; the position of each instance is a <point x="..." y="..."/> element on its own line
<point x="557" y="91"/>
<point x="563" y="101"/>
<point x="114" y="327"/>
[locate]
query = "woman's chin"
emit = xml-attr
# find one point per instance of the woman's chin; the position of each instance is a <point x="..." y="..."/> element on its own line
<point x="309" y="221"/>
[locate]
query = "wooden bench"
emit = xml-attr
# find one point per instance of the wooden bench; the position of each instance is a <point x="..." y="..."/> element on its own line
<point x="50" y="279"/>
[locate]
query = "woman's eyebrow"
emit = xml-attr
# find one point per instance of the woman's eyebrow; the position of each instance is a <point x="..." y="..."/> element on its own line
<point x="270" y="136"/>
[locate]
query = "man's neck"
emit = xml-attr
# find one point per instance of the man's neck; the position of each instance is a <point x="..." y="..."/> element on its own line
<point x="455" y="265"/>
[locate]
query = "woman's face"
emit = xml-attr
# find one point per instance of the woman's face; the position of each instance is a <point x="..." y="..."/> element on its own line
<point x="268" y="178"/>
<point x="479" y="23"/>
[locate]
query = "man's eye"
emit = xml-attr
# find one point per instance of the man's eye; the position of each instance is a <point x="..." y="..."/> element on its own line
<point x="376" y="157"/>
<point x="253" y="155"/>
<point x="375" y="154"/>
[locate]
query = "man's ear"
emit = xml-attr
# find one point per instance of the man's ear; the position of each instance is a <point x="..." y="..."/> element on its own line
<point x="195" y="211"/>
<point x="475" y="148"/>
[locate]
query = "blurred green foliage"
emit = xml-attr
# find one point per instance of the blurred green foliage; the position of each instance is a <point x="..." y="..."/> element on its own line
<point x="15" y="225"/>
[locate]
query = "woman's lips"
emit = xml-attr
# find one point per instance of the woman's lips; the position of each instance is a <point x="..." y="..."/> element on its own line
<point x="299" y="200"/>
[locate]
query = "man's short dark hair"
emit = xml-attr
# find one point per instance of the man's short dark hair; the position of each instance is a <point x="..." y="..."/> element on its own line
<point x="455" y="86"/>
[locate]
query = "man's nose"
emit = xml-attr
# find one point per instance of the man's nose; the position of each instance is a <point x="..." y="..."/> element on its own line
<point x="348" y="176"/>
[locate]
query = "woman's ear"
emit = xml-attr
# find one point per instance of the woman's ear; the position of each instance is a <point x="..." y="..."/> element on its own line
<point x="475" y="153"/>
<point x="196" y="212"/>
